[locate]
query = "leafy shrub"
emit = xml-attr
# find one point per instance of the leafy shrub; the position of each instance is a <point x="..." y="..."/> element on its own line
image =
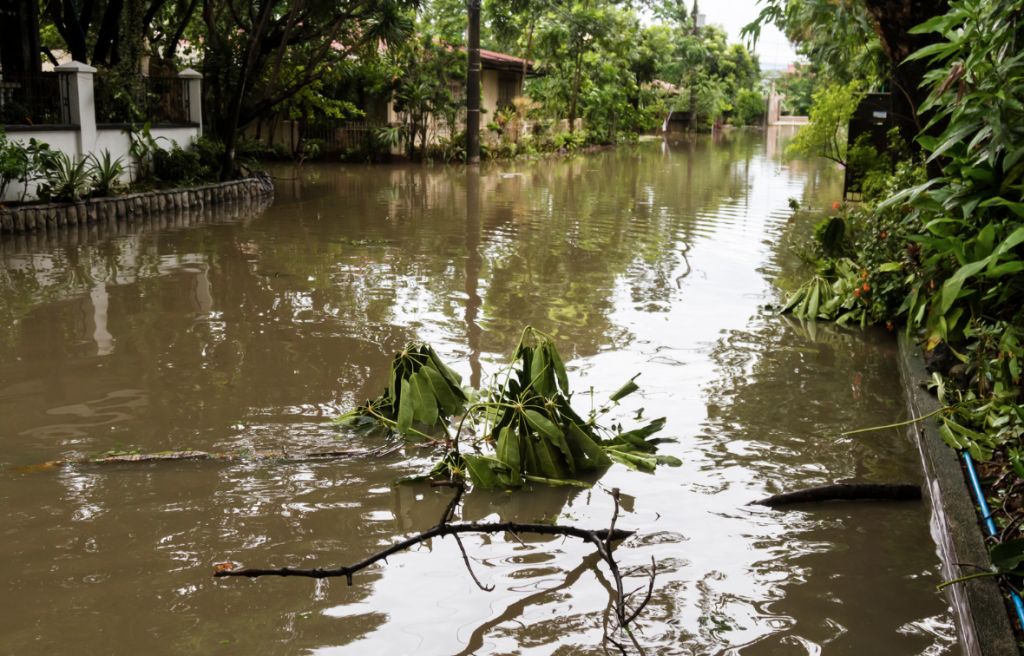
<point x="313" y="148"/>
<point x="211" y="152"/>
<point x="14" y="163"/>
<point x="571" y="141"/>
<point x="749" y="108"/>
<point x="178" y="167"/>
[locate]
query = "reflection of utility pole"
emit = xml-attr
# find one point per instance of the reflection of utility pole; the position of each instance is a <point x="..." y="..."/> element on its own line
<point x="473" y="265"/>
<point x="473" y="84"/>
<point x="698" y="22"/>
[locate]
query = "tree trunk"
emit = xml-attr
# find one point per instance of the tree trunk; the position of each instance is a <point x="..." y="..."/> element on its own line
<point x="105" y="40"/>
<point x="180" y="32"/>
<point x="576" y="79"/>
<point x="893" y="21"/>
<point x="526" y="60"/>
<point x="19" y="38"/>
<point x="693" y="107"/>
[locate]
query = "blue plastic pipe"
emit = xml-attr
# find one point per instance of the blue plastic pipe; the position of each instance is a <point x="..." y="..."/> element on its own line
<point x="990" y="525"/>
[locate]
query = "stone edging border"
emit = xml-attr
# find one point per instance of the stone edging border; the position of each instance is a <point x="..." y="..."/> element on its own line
<point x="61" y="215"/>
<point x="982" y="621"/>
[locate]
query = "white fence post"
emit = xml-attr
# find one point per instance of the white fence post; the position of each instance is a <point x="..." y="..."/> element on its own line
<point x="82" y="103"/>
<point x="194" y="80"/>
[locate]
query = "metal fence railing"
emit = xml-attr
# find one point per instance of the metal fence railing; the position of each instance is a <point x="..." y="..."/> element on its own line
<point x="34" y="99"/>
<point x="347" y="136"/>
<point x="143" y="99"/>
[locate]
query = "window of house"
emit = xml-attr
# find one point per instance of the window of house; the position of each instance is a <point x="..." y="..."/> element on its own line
<point x="508" y="88"/>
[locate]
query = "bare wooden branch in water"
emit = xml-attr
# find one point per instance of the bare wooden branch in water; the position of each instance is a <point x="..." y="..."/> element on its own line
<point x="844" y="492"/>
<point x="224" y="457"/>
<point x="602" y="540"/>
<point x="438" y="531"/>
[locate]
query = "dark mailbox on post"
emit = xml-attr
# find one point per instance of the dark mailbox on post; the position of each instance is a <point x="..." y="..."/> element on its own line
<point x="873" y="116"/>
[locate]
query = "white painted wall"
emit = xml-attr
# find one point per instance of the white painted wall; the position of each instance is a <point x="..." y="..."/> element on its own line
<point x="489" y="82"/>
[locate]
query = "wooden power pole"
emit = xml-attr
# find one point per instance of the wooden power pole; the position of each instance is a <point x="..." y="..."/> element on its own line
<point x="473" y="85"/>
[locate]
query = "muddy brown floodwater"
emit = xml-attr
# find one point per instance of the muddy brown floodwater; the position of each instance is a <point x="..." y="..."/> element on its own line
<point x="235" y="331"/>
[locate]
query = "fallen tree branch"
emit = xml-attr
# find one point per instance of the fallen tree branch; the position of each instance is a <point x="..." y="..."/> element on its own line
<point x="465" y="557"/>
<point x="601" y="539"/>
<point x="845" y="492"/>
<point x="438" y="531"/>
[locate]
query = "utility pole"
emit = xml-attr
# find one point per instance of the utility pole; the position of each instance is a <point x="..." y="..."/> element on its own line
<point x="473" y="84"/>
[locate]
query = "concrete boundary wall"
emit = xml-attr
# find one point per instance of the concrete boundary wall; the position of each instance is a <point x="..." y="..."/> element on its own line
<point x="102" y="210"/>
<point x="84" y="137"/>
<point x="979" y="610"/>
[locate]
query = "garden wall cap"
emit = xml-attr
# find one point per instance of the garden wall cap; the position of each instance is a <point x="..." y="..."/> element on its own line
<point x="190" y="74"/>
<point x="75" y="66"/>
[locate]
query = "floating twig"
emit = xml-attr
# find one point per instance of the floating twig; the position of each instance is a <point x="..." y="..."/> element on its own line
<point x="203" y="455"/>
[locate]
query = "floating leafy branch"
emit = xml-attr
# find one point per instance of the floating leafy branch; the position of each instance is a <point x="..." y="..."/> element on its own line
<point x="530" y="432"/>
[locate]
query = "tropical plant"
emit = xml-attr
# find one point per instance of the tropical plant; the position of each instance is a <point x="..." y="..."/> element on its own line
<point x="64" y="179"/>
<point x="105" y="175"/>
<point x="141" y="145"/>
<point x="526" y="420"/>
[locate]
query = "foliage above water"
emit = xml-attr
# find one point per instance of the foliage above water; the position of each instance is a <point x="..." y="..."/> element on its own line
<point x="528" y="430"/>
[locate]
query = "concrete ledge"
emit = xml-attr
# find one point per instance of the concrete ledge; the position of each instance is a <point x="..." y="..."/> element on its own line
<point x="60" y="215"/>
<point x="983" y="625"/>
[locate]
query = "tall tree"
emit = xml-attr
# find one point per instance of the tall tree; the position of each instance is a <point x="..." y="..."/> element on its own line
<point x="19" y="36"/>
<point x="247" y="46"/>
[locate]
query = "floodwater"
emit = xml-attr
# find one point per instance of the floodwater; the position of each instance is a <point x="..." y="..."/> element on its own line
<point x="246" y="329"/>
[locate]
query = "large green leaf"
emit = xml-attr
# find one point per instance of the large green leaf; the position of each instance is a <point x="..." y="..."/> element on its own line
<point x="559" y="367"/>
<point x="556" y="481"/>
<point x="480" y="472"/>
<point x="594" y="454"/>
<point x="405" y="407"/>
<point x="552" y="433"/>
<point x="633" y="460"/>
<point x="424" y="403"/>
<point x="542" y="424"/>
<point x="549" y="458"/>
<point x="634" y="439"/>
<point x="446" y="398"/>
<point x="540" y="372"/>
<point x="454" y="378"/>
<point x="1009" y="555"/>
<point x="626" y="389"/>
<point x="508" y="452"/>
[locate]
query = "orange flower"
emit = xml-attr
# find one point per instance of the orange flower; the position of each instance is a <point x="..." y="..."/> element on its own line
<point x="856" y="292"/>
<point x="883" y="235"/>
<point x="836" y="205"/>
<point x="864" y="274"/>
<point x="866" y="287"/>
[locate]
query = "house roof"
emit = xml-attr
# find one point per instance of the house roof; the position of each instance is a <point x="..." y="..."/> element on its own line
<point x="502" y="62"/>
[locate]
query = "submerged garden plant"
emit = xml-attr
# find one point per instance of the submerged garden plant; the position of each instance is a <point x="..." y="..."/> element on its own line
<point x="528" y="430"/>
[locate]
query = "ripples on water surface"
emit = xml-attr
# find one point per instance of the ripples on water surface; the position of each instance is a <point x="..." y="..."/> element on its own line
<point x="237" y="333"/>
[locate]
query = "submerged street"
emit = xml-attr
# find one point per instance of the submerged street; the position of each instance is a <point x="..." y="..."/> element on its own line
<point x="242" y="333"/>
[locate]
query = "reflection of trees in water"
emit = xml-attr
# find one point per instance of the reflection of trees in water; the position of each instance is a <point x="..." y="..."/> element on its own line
<point x="786" y="391"/>
<point x="203" y="320"/>
<point x="553" y="241"/>
<point x="578" y="229"/>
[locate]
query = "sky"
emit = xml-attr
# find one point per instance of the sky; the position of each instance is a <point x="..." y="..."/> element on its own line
<point x="773" y="47"/>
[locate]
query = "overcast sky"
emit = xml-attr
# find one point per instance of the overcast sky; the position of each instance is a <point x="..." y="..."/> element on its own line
<point x="734" y="14"/>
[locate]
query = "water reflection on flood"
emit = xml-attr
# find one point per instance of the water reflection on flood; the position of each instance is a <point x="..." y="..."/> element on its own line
<point x="246" y="328"/>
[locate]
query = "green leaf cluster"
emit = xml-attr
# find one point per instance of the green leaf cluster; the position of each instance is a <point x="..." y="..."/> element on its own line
<point x="530" y="432"/>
